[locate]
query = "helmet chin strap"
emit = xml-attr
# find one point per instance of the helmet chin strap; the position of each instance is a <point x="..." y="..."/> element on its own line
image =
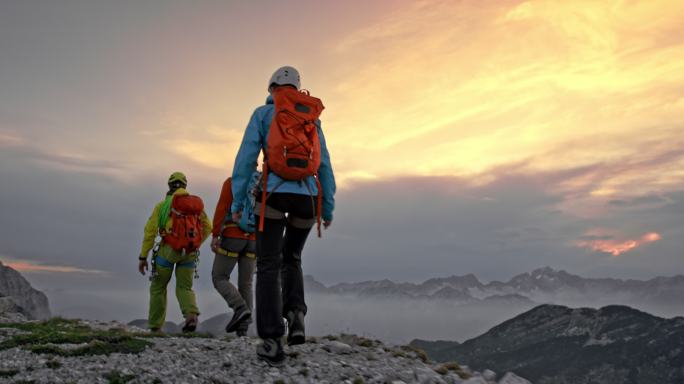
<point x="173" y="187"/>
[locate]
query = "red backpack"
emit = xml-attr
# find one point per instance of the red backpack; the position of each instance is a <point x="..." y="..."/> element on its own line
<point x="293" y="149"/>
<point x="186" y="226"/>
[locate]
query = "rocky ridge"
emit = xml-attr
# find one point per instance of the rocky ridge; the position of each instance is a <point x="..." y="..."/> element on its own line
<point x="107" y="352"/>
<point x="18" y="296"/>
<point x="553" y="344"/>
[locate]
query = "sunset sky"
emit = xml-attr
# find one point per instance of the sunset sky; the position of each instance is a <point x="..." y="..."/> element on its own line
<point x="491" y="137"/>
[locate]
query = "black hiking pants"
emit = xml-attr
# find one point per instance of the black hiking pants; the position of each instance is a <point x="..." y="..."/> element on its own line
<point x="280" y="285"/>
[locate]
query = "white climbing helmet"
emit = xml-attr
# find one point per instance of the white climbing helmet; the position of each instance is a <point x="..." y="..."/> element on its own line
<point x="285" y="76"/>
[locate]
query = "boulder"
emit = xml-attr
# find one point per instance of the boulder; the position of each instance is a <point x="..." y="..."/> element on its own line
<point x="512" y="378"/>
<point x="31" y="302"/>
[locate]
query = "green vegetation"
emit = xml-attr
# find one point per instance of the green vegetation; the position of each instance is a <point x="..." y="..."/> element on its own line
<point x="45" y="337"/>
<point x="116" y="377"/>
<point x="364" y="342"/>
<point x="446" y="367"/>
<point x="304" y="372"/>
<point x="8" y="372"/>
<point x="53" y="364"/>
<point x="419" y="352"/>
<point x="442" y="370"/>
<point x="358" y="380"/>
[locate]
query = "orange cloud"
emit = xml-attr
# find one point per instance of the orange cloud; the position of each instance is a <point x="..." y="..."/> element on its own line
<point x="461" y="88"/>
<point x="29" y="267"/>
<point x="607" y="244"/>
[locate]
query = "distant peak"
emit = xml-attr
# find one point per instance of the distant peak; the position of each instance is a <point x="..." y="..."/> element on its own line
<point x="545" y="271"/>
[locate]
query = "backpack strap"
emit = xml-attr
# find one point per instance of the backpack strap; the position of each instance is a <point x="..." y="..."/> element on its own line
<point x="316" y="206"/>
<point x="319" y="205"/>
<point x="262" y="211"/>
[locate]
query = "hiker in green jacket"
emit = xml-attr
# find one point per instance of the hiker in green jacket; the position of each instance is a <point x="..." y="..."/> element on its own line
<point x="177" y="249"/>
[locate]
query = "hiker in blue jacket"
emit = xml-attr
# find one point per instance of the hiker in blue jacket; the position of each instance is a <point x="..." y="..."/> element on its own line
<point x="280" y="245"/>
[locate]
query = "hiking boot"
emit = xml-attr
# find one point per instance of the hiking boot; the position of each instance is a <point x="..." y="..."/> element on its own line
<point x="271" y="351"/>
<point x="241" y="315"/>
<point x="190" y="323"/>
<point x="242" y="329"/>
<point x="295" y="328"/>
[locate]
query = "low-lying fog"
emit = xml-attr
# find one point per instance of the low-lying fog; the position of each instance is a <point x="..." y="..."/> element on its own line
<point x="391" y="320"/>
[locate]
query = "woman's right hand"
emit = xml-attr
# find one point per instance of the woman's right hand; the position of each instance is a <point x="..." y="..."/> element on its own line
<point x="215" y="243"/>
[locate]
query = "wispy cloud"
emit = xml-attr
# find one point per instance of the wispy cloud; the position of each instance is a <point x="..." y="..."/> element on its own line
<point x="598" y="242"/>
<point x="61" y="158"/>
<point x="31" y="267"/>
<point x="462" y="88"/>
<point x="9" y="139"/>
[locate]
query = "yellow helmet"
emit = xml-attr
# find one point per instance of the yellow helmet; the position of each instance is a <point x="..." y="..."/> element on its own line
<point x="178" y="177"/>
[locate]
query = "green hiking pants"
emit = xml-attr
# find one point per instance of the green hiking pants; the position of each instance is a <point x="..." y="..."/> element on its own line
<point x="185" y="270"/>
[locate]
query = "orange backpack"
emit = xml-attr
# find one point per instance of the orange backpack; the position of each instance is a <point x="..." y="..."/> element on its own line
<point x="186" y="226"/>
<point x="293" y="149"/>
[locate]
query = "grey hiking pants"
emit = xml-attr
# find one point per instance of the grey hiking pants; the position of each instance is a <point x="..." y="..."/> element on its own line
<point x="220" y="276"/>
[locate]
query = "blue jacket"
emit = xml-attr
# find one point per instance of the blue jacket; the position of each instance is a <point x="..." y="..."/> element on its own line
<point x="246" y="162"/>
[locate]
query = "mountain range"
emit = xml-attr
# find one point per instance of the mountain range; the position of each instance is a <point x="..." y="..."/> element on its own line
<point x="561" y="345"/>
<point x="661" y="295"/>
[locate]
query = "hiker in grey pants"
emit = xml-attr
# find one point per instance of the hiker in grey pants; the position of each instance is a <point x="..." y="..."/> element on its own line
<point x="239" y="299"/>
<point x="232" y="245"/>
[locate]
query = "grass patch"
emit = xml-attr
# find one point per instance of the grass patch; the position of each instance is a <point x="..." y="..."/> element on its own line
<point x="4" y="373"/>
<point x="116" y="377"/>
<point x="419" y="352"/>
<point x="53" y="364"/>
<point x="452" y="366"/>
<point x="442" y="370"/>
<point x="45" y="337"/>
<point x="364" y="342"/>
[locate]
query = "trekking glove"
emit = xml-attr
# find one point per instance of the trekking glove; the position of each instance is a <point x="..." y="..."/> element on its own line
<point x="142" y="266"/>
<point x="215" y="243"/>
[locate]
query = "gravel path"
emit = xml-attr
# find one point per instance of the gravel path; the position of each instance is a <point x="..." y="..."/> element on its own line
<point x="335" y="359"/>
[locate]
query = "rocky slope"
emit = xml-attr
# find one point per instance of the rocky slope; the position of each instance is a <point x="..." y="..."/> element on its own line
<point x="17" y="295"/>
<point x="69" y="351"/>
<point x="556" y="344"/>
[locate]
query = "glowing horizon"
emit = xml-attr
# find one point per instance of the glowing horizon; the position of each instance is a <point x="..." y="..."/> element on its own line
<point x="583" y="99"/>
